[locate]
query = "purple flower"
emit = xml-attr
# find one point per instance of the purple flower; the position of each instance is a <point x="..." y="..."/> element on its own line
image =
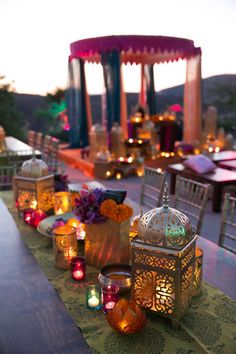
<point x="87" y="207"/>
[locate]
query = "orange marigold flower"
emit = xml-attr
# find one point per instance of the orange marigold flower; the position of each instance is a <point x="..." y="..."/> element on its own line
<point x="130" y="210"/>
<point x="107" y="207"/>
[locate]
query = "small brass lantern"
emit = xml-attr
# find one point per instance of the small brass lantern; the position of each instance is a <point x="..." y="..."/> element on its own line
<point x="34" y="187"/>
<point x="163" y="262"/>
<point x="98" y="141"/>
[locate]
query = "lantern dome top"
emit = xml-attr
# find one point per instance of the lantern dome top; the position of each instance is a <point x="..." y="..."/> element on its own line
<point x="165" y="227"/>
<point x="34" y="168"/>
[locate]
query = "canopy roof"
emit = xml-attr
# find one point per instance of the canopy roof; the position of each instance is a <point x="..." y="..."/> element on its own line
<point x="135" y="49"/>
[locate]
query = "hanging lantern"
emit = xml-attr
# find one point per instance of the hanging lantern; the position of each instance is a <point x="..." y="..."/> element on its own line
<point x="163" y="262"/>
<point x="34" y="187"/>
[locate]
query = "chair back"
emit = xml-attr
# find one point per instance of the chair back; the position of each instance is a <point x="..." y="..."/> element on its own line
<point x="191" y="199"/>
<point x="46" y="148"/>
<point x="152" y="188"/>
<point x="39" y="141"/>
<point x="57" y="167"/>
<point x="6" y="175"/>
<point x="54" y="149"/>
<point x="31" y="138"/>
<point x="227" y="237"/>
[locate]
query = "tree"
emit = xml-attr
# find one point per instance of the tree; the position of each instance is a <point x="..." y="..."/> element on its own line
<point x="10" y="118"/>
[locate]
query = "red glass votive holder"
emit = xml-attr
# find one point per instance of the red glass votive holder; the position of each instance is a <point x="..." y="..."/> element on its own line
<point x="109" y="297"/>
<point x="78" y="268"/>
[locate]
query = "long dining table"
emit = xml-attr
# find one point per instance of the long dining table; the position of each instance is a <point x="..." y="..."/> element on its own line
<point x="33" y="316"/>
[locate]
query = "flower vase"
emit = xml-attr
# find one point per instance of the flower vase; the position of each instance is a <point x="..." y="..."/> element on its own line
<point x="107" y="243"/>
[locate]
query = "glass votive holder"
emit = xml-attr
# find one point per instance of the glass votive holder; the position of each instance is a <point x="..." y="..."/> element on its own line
<point x="62" y="203"/>
<point x="78" y="268"/>
<point x="93" y="297"/>
<point x="198" y="271"/>
<point x="65" y="246"/>
<point x="109" y="297"/>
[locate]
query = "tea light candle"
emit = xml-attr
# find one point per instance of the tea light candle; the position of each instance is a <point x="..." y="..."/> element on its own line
<point x="62" y="203"/>
<point x="109" y="297"/>
<point x="78" y="268"/>
<point x="93" y="296"/>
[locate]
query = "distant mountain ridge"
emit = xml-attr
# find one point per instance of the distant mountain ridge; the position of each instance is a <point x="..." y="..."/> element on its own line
<point x="211" y="88"/>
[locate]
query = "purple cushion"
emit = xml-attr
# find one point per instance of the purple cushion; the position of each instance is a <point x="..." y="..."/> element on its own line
<point x="200" y="164"/>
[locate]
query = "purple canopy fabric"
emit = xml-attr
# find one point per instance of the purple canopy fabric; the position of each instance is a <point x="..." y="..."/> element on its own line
<point x="135" y="48"/>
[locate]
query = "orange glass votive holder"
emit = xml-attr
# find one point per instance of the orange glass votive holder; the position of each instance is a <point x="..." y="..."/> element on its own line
<point x="62" y="203"/>
<point x="198" y="271"/>
<point x="65" y="246"/>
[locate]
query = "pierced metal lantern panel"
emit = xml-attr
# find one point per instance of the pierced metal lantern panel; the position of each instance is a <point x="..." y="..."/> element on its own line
<point x="36" y="193"/>
<point x="163" y="282"/>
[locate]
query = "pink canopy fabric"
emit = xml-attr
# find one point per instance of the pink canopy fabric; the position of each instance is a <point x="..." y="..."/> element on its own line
<point x="135" y="48"/>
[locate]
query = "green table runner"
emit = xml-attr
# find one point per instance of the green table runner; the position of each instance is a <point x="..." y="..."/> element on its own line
<point x="208" y="327"/>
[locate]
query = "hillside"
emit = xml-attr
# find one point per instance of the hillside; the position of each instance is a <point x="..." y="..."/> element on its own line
<point x="217" y="90"/>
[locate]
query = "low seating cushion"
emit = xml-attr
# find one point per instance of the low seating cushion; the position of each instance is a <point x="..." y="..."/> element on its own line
<point x="200" y="164"/>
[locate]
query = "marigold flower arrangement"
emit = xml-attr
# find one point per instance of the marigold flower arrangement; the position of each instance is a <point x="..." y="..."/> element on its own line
<point x="92" y="207"/>
<point x="118" y="213"/>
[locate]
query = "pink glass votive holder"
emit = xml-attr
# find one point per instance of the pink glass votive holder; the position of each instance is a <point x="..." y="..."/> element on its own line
<point x="109" y="297"/>
<point x="78" y="268"/>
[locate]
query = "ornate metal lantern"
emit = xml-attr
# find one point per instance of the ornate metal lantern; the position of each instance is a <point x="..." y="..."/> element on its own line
<point x="163" y="262"/>
<point x="117" y="141"/>
<point x="98" y="141"/>
<point x="34" y="187"/>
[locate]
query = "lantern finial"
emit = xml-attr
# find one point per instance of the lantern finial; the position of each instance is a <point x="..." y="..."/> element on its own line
<point x="165" y="196"/>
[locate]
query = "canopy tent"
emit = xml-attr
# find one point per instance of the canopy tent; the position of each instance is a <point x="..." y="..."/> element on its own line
<point x="112" y="52"/>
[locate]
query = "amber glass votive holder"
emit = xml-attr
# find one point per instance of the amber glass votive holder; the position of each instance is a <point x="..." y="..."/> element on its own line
<point x="198" y="271"/>
<point x="78" y="268"/>
<point x="65" y="246"/>
<point x="93" y="297"/>
<point x="110" y="296"/>
<point x="62" y="203"/>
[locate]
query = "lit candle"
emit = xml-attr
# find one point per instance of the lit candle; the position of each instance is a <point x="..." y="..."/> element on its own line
<point x="110" y="305"/>
<point x="62" y="203"/>
<point x="78" y="268"/>
<point x="109" y="297"/>
<point x="93" y="301"/>
<point x="65" y="245"/>
<point x="93" y="296"/>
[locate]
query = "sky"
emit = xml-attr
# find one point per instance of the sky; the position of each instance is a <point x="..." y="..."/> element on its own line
<point x="35" y="38"/>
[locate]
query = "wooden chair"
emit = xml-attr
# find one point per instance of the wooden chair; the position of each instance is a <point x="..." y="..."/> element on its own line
<point x="6" y="175"/>
<point x="152" y="188"/>
<point x="56" y="167"/>
<point x="54" y="149"/>
<point x="31" y="138"/>
<point x="228" y="224"/>
<point x="191" y="198"/>
<point x="39" y="141"/>
<point x="46" y="147"/>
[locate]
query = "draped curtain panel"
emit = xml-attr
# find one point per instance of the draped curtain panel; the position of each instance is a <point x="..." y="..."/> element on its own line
<point x="143" y="93"/>
<point x="78" y="104"/>
<point x="192" y="100"/>
<point x="111" y="72"/>
<point x="150" y="88"/>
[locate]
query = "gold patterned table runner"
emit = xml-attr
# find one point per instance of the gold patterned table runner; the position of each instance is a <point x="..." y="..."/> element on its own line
<point x="209" y="326"/>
